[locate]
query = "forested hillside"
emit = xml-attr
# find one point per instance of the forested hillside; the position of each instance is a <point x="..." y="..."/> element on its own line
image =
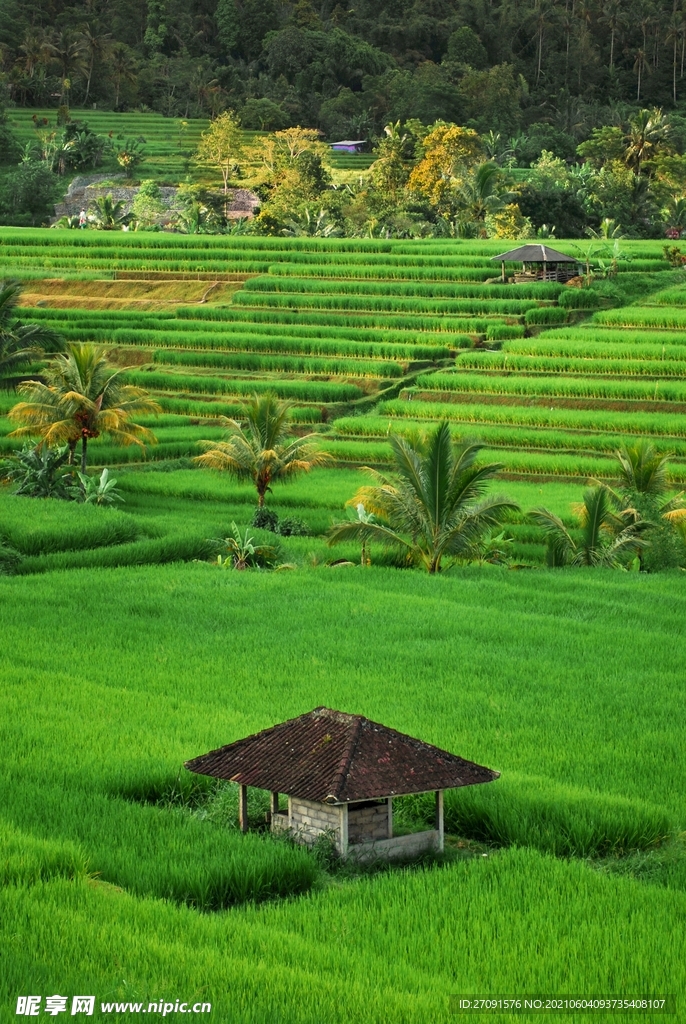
<point x="561" y="67"/>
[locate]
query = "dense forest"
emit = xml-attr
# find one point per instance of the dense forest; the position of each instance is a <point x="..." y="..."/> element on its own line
<point x="503" y="65"/>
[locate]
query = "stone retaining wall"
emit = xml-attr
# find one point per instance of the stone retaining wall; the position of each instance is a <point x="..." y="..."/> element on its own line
<point x="85" y="191"/>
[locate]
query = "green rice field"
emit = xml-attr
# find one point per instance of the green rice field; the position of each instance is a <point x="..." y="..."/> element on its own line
<point x="102" y="882"/>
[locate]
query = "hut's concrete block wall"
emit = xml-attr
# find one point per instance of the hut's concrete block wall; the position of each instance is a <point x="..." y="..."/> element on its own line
<point x="308" y="819"/>
<point x="398" y="847"/>
<point x="368" y="821"/>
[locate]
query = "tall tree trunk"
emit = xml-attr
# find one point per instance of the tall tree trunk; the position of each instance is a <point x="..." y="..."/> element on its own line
<point x="88" y="83"/>
<point x="540" y="53"/>
<point x="674" y="74"/>
<point x="84" y="453"/>
<point x="612" y="48"/>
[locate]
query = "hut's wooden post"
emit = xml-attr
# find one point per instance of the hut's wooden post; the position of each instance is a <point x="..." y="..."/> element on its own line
<point x="502" y="270"/>
<point x="243" y="807"/>
<point x="390" y="817"/>
<point x="439" y="820"/>
<point x="274" y="804"/>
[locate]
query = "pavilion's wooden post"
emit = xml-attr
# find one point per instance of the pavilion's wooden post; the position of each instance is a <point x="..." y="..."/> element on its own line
<point x="439" y="820"/>
<point x="274" y="804"/>
<point x="243" y="807"/>
<point x="390" y="817"/>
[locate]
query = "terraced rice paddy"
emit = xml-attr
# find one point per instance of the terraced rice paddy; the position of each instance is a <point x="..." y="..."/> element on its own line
<point x="368" y="337"/>
<point x="362" y="334"/>
<point x="556" y="882"/>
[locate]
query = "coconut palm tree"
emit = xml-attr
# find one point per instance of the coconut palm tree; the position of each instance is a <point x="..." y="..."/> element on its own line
<point x="643" y="484"/>
<point x="263" y="451"/>
<point x="643" y="469"/>
<point x="123" y="66"/>
<point x="674" y="215"/>
<point x="482" y="192"/>
<point x="648" y="130"/>
<point x="607" y="534"/>
<point x="96" y="47"/>
<point x="435" y="507"/>
<point x="108" y="214"/>
<point x="83" y="398"/>
<point x="20" y="343"/>
<point x="68" y="52"/>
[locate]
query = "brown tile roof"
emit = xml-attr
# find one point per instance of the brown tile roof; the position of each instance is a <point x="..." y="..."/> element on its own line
<point x="534" y="253"/>
<point x="332" y="757"/>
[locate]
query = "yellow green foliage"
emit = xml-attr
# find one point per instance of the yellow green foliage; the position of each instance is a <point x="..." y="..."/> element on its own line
<point x="449" y="150"/>
<point x="509" y="222"/>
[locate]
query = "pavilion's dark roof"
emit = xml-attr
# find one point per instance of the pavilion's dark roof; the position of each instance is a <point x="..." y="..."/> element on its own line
<point x="534" y="253"/>
<point x="333" y="757"/>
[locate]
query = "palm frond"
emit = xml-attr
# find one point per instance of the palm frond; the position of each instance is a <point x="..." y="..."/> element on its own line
<point x="366" y="531"/>
<point x="560" y="542"/>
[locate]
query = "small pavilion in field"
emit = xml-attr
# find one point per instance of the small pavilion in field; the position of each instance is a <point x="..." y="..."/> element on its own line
<point x="539" y="263"/>
<point x="340" y="773"/>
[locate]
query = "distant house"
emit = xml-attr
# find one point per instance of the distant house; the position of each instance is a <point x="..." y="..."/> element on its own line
<point x="340" y="773"/>
<point x="348" y="146"/>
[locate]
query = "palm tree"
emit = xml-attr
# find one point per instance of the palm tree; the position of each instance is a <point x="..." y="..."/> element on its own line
<point x="95" y="44"/>
<point x="436" y="507"/>
<point x="481" y="193"/>
<point x="674" y="214"/>
<point x="641" y="66"/>
<point x="648" y="130"/>
<point x="68" y="53"/>
<point x="613" y="16"/>
<point x="606" y="534"/>
<point x="20" y="343"/>
<point x="36" y="51"/>
<point x="541" y="17"/>
<point x="123" y="66"/>
<point x="643" y="484"/>
<point x="82" y="399"/>
<point x="263" y="451"/>
<point x="643" y="470"/>
<point x="108" y="214"/>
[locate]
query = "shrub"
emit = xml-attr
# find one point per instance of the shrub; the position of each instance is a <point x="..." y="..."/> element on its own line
<point x="31" y="189"/>
<point x="291" y="526"/>
<point x="265" y="519"/>
<point x="9" y="560"/>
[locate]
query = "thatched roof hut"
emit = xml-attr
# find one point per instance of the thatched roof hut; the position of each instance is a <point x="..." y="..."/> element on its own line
<point x="543" y="263"/>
